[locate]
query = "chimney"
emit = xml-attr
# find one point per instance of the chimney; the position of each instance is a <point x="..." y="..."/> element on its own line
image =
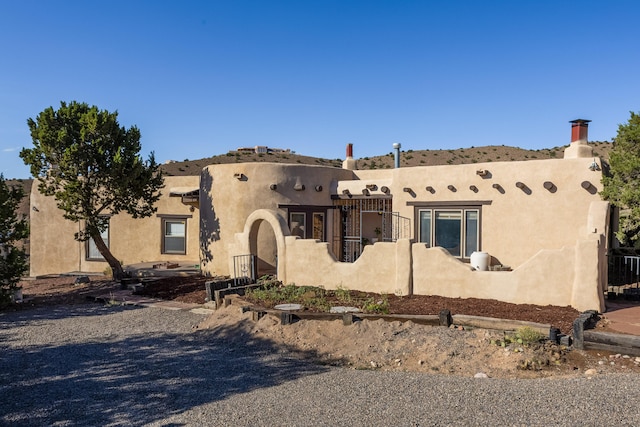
<point x="349" y="162"/>
<point x="579" y="130"/>
<point x="396" y="157"/>
<point x="579" y="146"/>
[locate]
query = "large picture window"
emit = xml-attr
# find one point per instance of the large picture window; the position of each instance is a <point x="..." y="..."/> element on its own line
<point x="456" y="230"/>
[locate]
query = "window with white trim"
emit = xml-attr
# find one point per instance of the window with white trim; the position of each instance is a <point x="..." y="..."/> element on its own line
<point x="298" y="224"/>
<point x="455" y="229"/>
<point x="174" y="236"/>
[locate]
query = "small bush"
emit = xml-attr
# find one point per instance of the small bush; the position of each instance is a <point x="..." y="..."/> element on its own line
<point x="381" y="306"/>
<point x="529" y="335"/>
<point x="108" y="272"/>
<point x="343" y="294"/>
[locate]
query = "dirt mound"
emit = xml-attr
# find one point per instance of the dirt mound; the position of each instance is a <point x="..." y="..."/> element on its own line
<point x="406" y="346"/>
<point x="191" y="289"/>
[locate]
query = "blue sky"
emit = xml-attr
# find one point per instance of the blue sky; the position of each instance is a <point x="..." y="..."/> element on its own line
<point x="200" y="78"/>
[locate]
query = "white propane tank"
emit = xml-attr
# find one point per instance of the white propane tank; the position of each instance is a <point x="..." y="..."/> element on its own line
<point x="480" y="261"/>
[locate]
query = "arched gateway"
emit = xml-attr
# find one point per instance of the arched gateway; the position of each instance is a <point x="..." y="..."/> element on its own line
<point x="263" y="236"/>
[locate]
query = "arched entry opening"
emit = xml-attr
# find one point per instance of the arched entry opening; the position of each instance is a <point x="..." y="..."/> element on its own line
<point x="263" y="244"/>
<point x="264" y="239"/>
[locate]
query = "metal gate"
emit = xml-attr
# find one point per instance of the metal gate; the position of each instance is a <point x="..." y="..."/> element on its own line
<point x="624" y="275"/>
<point x="349" y="242"/>
<point x="244" y="269"/>
<point x="395" y="227"/>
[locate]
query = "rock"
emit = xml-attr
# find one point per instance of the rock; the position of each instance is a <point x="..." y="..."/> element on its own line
<point x="481" y="375"/>
<point x="342" y="310"/>
<point x="373" y="364"/>
<point x="288" y="307"/>
<point x="420" y="362"/>
<point x="590" y="372"/>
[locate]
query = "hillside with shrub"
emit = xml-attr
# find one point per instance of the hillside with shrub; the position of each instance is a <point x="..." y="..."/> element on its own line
<point x="408" y="158"/>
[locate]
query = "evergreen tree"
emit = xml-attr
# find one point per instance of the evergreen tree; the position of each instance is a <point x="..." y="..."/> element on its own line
<point x="622" y="183"/>
<point x="93" y="168"/>
<point x="13" y="261"/>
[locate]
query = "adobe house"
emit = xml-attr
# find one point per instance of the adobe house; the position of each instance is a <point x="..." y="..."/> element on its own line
<point x="169" y="236"/>
<point x="522" y="232"/>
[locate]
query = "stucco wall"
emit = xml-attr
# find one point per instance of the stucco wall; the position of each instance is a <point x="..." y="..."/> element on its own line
<point x="54" y="249"/>
<point x="561" y="277"/>
<point x="549" y="277"/>
<point x="515" y="223"/>
<point x="383" y="267"/>
<point x="232" y="192"/>
<point x="553" y="237"/>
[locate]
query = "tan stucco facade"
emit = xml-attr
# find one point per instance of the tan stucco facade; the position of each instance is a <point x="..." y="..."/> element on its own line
<point x="54" y="249"/>
<point x="542" y="223"/>
<point x="544" y="219"/>
<point x="232" y="192"/>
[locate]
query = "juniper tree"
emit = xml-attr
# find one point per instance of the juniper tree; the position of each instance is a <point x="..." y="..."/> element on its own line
<point x="92" y="166"/>
<point x="13" y="261"/>
<point x="621" y="186"/>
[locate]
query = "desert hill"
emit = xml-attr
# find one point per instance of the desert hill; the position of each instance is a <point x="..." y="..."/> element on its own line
<point x="408" y="158"/>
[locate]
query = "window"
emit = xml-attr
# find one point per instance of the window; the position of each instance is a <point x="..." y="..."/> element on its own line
<point x="318" y="226"/>
<point x="471" y="232"/>
<point x="307" y="222"/>
<point x="425" y="227"/>
<point x="174" y="239"/>
<point x="456" y="230"/>
<point x="93" y="254"/>
<point x="297" y="224"/>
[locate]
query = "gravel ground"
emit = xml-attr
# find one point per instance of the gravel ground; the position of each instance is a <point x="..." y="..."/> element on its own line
<point x="112" y="365"/>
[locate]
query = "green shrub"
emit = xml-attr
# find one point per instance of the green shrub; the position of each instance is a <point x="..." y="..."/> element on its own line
<point x="343" y="294"/>
<point x="528" y="335"/>
<point x="371" y="305"/>
<point x="13" y="260"/>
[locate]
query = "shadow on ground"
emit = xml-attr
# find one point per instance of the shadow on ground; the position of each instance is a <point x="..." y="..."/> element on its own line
<point x="135" y="378"/>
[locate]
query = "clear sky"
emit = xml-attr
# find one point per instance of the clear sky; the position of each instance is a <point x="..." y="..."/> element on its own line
<point x="200" y="78"/>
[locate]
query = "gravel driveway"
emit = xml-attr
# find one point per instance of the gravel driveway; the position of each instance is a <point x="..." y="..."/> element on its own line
<point x="112" y="365"/>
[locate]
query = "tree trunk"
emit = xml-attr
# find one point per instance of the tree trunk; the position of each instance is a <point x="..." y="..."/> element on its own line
<point x="116" y="267"/>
